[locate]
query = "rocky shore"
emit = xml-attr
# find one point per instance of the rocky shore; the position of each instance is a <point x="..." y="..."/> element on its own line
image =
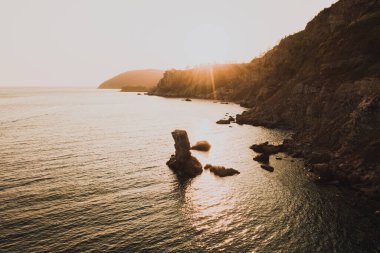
<point x="323" y="83"/>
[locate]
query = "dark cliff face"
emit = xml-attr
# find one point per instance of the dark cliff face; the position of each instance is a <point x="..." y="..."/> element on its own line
<point x="322" y="82"/>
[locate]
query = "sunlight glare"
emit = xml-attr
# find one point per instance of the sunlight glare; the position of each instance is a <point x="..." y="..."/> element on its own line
<point x="206" y="44"/>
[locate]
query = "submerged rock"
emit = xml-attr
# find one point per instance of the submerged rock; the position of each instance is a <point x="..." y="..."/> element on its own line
<point x="183" y="163"/>
<point x="221" y="171"/>
<point x="267" y="167"/>
<point x="201" y="146"/>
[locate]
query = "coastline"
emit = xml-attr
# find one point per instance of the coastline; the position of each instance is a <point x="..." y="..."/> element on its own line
<point x="322" y="83"/>
<point x="325" y="166"/>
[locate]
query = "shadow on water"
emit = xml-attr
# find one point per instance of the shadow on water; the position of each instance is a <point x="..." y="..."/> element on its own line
<point x="180" y="187"/>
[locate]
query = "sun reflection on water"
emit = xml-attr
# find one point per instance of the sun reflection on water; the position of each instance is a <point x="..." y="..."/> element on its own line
<point x="210" y="201"/>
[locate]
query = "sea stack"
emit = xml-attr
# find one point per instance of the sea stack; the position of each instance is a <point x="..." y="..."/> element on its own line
<point x="182" y="162"/>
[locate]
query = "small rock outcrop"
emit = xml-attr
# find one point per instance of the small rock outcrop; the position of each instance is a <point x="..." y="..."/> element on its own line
<point x="266" y="148"/>
<point x="201" y="146"/>
<point x="226" y="121"/>
<point x="182" y="162"/>
<point x="221" y="171"/>
<point x="223" y="122"/>
<point x="262" y="158"/>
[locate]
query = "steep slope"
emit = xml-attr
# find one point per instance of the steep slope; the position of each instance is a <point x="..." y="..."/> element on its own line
<point x="322" y="82"/>
<point x="132" y="80"/>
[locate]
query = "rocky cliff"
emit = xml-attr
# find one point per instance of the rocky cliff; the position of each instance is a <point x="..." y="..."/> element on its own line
<point x="322" y="82"/>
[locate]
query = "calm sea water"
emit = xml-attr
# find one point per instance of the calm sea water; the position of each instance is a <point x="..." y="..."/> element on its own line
<point x="83" y="170"/>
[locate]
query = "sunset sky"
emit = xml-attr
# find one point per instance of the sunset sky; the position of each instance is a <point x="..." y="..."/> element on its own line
<point x="84" y="42"/>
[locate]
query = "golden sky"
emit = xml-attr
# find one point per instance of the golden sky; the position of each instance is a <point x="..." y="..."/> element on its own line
<point x="84" y="42"/>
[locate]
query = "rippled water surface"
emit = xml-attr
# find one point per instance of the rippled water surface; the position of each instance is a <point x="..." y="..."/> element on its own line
<point x="84" y="170"/>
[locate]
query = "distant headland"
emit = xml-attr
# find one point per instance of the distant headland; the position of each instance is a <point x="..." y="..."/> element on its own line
<point x="135" y="80"/>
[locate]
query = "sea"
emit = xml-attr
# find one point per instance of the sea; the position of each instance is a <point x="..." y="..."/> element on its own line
<point x="84" y="170"/>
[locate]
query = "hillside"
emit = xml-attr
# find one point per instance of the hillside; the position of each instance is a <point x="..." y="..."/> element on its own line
<point x="134" y="80"/>
<point x="322" y="82"/>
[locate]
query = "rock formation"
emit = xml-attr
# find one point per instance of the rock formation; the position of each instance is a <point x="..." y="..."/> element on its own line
<point x="223" y="122"/>
<point x="262" y="158"/>
<point x="267" y="148"/>
<point x="201" y="146"/>
<point x="226" y="121"/>
<point x="221" y="171"/>
<point x="182" y="162"/>
<point x="267" y="167"/>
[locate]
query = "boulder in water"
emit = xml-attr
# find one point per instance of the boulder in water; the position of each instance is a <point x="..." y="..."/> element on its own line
<point x="267" y="148"/>
<point x="262" y="158"/>
<point x="201" y="146"/>
<point x="223" y="122"/>
<point x="221" y="171"/>
<point x="267" y="167"/>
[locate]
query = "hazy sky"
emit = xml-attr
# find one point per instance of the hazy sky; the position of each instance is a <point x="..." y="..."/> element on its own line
<point x="84" y="42"/>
